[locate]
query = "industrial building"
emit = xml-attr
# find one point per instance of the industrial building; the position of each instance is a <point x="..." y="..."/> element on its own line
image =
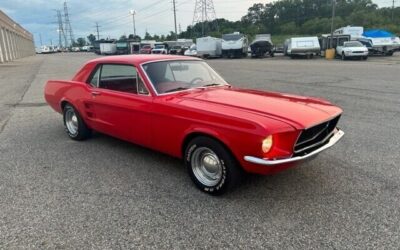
<point x="15" y="41"/>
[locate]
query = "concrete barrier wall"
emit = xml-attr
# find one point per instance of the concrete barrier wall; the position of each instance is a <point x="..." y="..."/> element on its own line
<point x="15" y="41"/>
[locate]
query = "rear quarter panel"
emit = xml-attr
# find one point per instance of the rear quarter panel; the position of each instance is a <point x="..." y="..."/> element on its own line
<point x="57" y="91"/>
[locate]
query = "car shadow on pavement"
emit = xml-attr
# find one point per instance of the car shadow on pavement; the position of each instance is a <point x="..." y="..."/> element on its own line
<point x="170" y="174"/>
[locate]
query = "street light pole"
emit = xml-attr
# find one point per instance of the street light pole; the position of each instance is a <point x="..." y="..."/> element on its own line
<point x="133" y="12"/>
<point x="333" y="17"/>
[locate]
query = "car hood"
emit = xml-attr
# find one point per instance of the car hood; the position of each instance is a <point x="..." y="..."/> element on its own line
<point x="297" y="111"/>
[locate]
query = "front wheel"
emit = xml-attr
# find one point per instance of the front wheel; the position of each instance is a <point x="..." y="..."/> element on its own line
<point x="74" y="125"/>
<point x="343" y="57"/>
<point x="211" y="166"/>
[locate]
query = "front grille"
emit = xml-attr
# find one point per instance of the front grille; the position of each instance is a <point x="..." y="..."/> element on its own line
<point x="358" y="52"/>
<point x="315" y="137"/>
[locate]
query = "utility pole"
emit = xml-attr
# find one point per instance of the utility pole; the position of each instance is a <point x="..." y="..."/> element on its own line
<point x="97" y="30"/>
<point x="392" y="10"/>
<point x="332" y="26"/>
<point x="176" y="30"/>
<point x="133" y="12"/>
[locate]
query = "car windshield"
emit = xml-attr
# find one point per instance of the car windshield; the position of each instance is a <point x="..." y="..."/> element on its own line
<point x="173" y="76"/>
<point x="176" y="47"/>
<point x="159" y="46"/>
<point x="353" y="44"/>
<point x="231" y="37"/>
<point x="146" y="47"/>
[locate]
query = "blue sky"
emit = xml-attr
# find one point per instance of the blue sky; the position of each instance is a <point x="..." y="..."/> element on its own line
<point x="156" y="16"/>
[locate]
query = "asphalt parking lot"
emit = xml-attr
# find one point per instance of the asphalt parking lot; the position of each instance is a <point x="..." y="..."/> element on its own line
<point x="107" y="194"/>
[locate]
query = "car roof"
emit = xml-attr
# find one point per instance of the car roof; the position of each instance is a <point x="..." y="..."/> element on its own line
<point x="139" y="59"/>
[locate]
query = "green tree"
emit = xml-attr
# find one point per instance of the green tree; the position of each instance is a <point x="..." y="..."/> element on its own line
<point x="80" y="42"/>
<point x="91" y="38"/>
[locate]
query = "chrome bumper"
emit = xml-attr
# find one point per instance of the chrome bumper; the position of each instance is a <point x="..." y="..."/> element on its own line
<point x="335" y="138"/>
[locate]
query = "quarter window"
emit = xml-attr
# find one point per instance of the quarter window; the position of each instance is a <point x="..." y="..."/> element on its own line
<point x="94" y="81"/>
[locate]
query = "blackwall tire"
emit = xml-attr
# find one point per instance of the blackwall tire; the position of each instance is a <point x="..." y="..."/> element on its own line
<point x="211" y="166"/>
<point x="74" y="124"/>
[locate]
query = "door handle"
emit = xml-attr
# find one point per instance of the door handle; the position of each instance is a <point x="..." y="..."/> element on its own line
<point x="95" y="93"/>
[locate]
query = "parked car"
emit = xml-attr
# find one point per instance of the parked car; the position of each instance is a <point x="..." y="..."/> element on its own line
<point x="146" y="49"/>
<point x="192" y="51"/>
<point x="302" y="47"/>
<point x="180" y="106"/>
<point x="352" y="49"/>
<point x="279" y="48"/>
<point x="177" y="50"/>
<point x="160" y="49"/>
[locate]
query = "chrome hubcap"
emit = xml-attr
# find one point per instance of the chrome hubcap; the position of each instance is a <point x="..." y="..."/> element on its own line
<point x="71" y="121"/>
<point x="206" y="166"/>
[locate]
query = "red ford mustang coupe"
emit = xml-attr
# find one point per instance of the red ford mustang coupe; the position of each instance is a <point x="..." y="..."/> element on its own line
<point x="182" y="107"/>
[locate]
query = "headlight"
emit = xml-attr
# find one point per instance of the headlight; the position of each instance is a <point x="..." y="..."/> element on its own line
<point x="267" y="144"/>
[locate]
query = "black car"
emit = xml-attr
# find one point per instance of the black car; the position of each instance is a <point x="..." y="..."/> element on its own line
<point x="177" y="50"/>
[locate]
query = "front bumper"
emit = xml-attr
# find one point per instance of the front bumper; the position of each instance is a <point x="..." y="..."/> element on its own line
<point x="260" y="161"/>
<point x="355" y="54"/>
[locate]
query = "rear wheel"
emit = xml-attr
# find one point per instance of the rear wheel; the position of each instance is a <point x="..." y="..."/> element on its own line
<point x="74" y="125"/>
<point x="365" y="58"/>
<point x="211" y="166"/>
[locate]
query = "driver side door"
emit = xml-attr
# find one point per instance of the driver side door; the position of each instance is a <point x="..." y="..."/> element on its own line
<point x="121" y="103"/>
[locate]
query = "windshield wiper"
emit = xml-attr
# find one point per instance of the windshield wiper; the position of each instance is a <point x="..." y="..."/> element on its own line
<point x="176" y="89"/>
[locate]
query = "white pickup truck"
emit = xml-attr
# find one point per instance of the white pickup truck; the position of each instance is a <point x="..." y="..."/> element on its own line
<point x="353" y="49"/>
<point x="160" y="49"/>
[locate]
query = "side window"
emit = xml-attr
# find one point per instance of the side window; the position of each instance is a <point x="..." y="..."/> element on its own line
<point x="118" y="77"/>
<point x="94" y="80"/>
